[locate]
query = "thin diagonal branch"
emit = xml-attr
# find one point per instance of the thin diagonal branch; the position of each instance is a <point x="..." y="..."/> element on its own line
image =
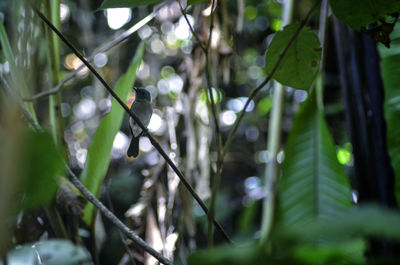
<point x="254" y="92"/>
<point x="137" y="120"/>
<point x="90" y="197"/>
<point x="120" y="38"/>
<point x="211" y="25"/>
<point x="107" y="213"/>
<point x="183" y="11"/>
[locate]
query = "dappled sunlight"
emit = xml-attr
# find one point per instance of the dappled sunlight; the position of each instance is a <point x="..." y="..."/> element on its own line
<point x="117" y="17"/>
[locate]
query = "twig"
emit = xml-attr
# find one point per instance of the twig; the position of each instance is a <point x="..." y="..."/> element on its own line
<point x="126" y="34"/>
<point x="191" y="27"/>
<point x="137" y="120"/>
<point x="211" y="25"/>
<point x="206" y="50"/>
<point x="254" y="92"/>
<point x="107" y="213"/>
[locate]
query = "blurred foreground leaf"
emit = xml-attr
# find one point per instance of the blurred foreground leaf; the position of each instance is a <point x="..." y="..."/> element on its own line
<point x="300" y="64"/>
<point x="238" y="255"/>
<point x="41" y="165"/>
<point x="51" y="252"/>
<point x="343" y="242"/>
<point x="99" y="152"/>
<point x="358" y="222"/>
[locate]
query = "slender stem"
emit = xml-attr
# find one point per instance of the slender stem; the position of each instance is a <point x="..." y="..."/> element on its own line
<point x="183" y="11"/>
<point x="254" y="92"/>
<point x="55" y="221"/>
<point x="137" y="120"/>
<point x="274" y="142"/>
<point x="56" y="121"/>
<point x="211" y="25"/>
<point x="272" y="168"/>
<point x="321" y="36"/>
<point x="217" y="177"/>
<point x="120" y="38"/>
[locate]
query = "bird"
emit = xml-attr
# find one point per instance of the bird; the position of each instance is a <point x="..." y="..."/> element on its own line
<point x="143" y="109"/>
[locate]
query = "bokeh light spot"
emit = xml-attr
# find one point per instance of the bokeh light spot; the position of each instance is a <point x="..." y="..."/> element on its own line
<point x="117" y="17"/>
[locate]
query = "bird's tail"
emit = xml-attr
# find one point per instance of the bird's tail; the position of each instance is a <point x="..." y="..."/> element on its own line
<point x="133" y="149"/>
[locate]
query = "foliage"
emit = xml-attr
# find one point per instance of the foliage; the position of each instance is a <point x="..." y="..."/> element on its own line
<point x="390" y="66"/>
<point x="300" y="65"/>
<point x="41" y="166"/>
<point x="313" y="183"/>
<point x="312" y="217"/>
<point x="297" y="243"/>
<point x="99" y="152"/>
<point x="359" y="14"/>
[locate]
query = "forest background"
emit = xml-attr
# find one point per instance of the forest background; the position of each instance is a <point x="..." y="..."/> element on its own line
<point x="274" y="136"/>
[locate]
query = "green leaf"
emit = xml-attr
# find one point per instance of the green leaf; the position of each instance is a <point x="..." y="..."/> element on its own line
<point x="390" y="67"/>
<point x="99" y="152"/>
<point x="349" y="253"/>
<point x="126" y="3"/>
<point x="300" y="64"/>
<point x="50" y="252"/>
<point x="313" y="183"/>
<point x="359" y="14"/>
<point x="41" y="166"/>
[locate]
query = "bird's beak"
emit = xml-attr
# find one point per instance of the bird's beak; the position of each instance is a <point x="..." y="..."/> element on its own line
<point x="134" y="88"/>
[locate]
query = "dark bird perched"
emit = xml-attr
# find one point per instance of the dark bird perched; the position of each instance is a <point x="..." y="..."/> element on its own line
<point x="142" y="108"/>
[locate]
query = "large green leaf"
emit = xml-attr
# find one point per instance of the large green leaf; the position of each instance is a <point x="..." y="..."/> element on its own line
<point x="99" y="152"/>
<point x="390" y="67"/>
<point x="313" y="183"/>
<point x="41" y="165"/>
<point x="360" y="14"/>
<point x="300" y="64"/>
